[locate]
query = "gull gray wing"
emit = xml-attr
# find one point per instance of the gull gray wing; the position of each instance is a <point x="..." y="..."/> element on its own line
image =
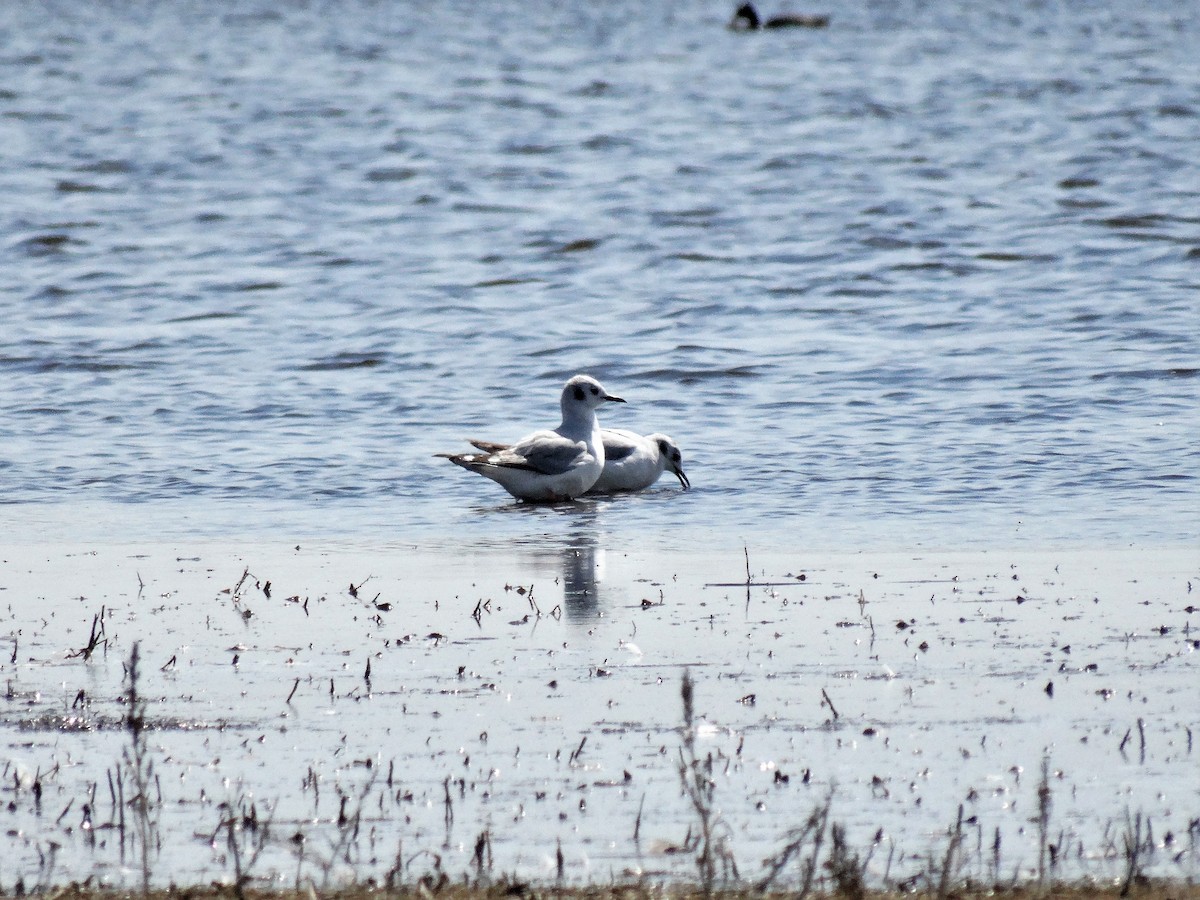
<point x="617" y="444"/>
<point x="545" y="452"/>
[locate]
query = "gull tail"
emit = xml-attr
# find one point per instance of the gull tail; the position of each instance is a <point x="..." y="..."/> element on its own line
<point x="470" y="461"/>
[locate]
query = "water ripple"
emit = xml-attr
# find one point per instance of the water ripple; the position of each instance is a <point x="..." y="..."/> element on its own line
<point x="929" y="268"/>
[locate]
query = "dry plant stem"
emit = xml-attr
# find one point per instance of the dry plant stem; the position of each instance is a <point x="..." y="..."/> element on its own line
<point x="439" y="885"/>
<point x="97" y="638"/>
<point x="241" y="827"/>
<point x="844" y="866"/>
<point x="950" y="860"/>
<point x="746" y="551"/>
<point x="395" y="875"/>
<point x="483" y="857"/>
<point x="828" y="702"/>
<point x="696" y="777"/>
<point x="1043" y="823"/>
<point x="348" y="823"/>
<point x="697" y="786"/>
<point x="1133" y="849"/>
<point x="140" y="769"/>
<point x="811" y="834"/>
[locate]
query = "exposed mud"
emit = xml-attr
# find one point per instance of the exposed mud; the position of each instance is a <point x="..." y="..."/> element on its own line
<point x="352" y="712"/>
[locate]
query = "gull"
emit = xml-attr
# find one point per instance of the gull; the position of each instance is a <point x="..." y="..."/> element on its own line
<point x="631" y="461"/>
<point x="550" y="465"/>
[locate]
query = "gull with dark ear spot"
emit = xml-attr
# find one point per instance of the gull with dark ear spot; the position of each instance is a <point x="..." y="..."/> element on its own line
<point x="631" y="461"/>
<point x="549" y="466"/>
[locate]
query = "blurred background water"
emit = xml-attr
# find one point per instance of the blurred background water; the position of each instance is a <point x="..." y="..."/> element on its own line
<point x="929" y="275"/>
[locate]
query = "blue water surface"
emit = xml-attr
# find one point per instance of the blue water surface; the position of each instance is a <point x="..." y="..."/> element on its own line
<point x="930" y="275"/>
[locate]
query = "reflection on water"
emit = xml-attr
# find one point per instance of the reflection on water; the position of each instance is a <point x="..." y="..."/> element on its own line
<point x="573" y="555"/>
<point x="582" y="572"/>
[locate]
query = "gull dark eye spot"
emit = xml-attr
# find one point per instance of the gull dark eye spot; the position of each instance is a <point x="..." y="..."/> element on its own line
<point x="579" y="394"/>
<point x="662" y="447"/>
<point x="595" y="391"/>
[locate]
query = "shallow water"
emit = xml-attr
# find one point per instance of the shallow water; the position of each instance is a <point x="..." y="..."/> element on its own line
<point x="928" y="275"/>
<point x="535" y="696"/>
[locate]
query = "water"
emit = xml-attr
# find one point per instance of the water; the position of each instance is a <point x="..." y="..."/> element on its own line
<point x="532" y="701"/>
<point x="924" y="281"/>
<point x="930" y="274"/>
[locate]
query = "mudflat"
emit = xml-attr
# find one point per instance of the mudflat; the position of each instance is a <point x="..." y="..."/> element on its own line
<point x="352" y="714"/>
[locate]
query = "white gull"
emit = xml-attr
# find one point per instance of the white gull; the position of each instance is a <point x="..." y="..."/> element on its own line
<point x="550" y="465"/>
<point x="631" y="461"/>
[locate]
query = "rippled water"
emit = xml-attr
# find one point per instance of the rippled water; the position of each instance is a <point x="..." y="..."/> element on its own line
<point x="930" y="274"/>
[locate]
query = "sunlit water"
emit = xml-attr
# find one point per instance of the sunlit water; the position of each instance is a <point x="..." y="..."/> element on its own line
<point x="532" y="702"/>
<point x="930" y="274"/>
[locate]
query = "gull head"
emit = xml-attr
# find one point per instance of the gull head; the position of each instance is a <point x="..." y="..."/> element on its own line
<point x="672" y="457"/>
<point x="585" y="393"/>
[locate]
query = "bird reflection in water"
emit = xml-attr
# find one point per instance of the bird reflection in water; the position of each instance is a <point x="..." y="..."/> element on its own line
<point x="582" y="574"/>
<point x="575" y="559"/>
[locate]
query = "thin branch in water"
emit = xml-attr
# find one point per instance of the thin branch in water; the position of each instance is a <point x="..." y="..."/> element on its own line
<point x="827" y="702"/>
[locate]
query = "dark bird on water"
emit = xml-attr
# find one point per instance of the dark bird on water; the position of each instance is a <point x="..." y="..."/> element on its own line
<point x="747" y="19"/>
